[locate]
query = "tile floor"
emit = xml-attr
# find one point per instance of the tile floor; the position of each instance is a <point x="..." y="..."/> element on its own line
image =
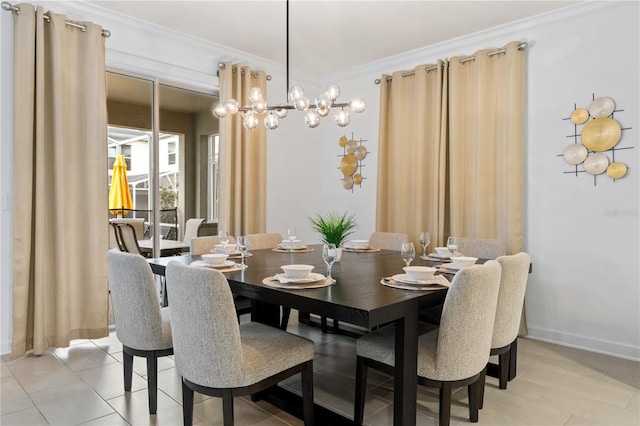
<point x="82" y="384"/>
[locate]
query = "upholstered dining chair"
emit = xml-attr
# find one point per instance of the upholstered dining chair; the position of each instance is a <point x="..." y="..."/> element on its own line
<point x="513" y="285"/>
<point x="455" y="354"/>
<point x="202" y="245"/>
<point x="191" y="228"/>
<point x="142" y="326"/>
<point x="216" y="356"/>
<point x="128" y="238"/>
<point x="388" y="240"/>
<point x="264" y="241"/>
<point x="482" y="248"/>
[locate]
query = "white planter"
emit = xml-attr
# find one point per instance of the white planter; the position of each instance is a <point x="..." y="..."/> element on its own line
<point x="338" y="254"/>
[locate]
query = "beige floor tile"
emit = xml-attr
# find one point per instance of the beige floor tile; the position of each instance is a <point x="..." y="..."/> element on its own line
<point x="36" y="373"/>
<point x="108" y="380"/>
<point x="634" y="403"/>
<point x="170" y="382"/>
<point x="82" y="356"/>
<point x="519" y="387"/>
<point x="4" y="370"/>
<point x="581" y="421"/>
<point x="28" y="417"/>
<point x="70" y="404"/>
<point x="588" y="408"/>
<point x="134" y="408"/>
<point x="285" y="417"/>
<point x="245" y="413"/>
<point x="140" y="364"/>
<point x="109" y="420"/>
<point x="504" y="408"/>
<point x="109" y="344"/>
<point x="13" y="397"/>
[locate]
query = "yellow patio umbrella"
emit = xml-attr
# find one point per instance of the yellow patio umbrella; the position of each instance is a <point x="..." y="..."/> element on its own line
<point x="119" y="194"/>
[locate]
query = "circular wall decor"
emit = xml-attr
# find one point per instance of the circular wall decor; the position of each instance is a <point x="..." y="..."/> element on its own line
<point x="602" y="107"/>
<point x="596" y="163"/>
<point x="616" y="170"/>
<point x="343" y="141"/>
<point x="601" y="134"/>
<point x="348" y="164"/>
<point x="347" y="182"/>
<point x="579" y="116"/>
<point x="575" y="153"/>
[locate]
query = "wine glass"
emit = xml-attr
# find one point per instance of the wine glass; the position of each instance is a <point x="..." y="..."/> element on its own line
<point x="452" y="245"/>
<point x="425" y="240"/>
<point x="223" y="236"/>
<point x="408" y="252"/>
<point x="242" y="244"/>
<point x="291" y="233"/>
<point x="329" y="253"/>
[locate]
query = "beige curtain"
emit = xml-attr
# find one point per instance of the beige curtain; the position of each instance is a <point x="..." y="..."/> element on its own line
<point x="486" y="146"/>
<point x="412" y="152"/>
<point x="60" y="191"/>
<point x="243" y="157"/>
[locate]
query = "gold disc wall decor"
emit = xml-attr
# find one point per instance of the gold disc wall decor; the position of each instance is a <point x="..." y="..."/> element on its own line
<point x="351" y="146"/>
<point x="347" y="182"/>
<point x="357" y="179"/>
<point x="348" y="164"/>
<point x="361" y="152"/>
<point x="343" y="141"/>
<point x="601" y="134"/>
<point x="616" y="170"/>
<point x="579" y="116"/>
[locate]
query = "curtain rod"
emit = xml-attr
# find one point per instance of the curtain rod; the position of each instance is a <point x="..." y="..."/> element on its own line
<point x="11" y="8"/>
<point x="521" y="46"/>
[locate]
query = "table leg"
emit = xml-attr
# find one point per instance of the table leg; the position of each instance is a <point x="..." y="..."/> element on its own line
<point x="266" y="313"/>
<point x="405" y="375"/>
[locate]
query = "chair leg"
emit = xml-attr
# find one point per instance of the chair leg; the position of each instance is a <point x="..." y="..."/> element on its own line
<point x="227" y="407"/>
<point x="285" y="318"/>
<point x="307" y="393"/>
<point x="473" y="392"/>
<point x="445" y="404"/>
<point x="152" y="382"/>
<point x="503" y="374"/>
<point x="482" y="379"/>
<point x="187" y="405"/>
<point x="361" y="387"/>
<point x="128" y="370"/>
<point x="323" y="324"/>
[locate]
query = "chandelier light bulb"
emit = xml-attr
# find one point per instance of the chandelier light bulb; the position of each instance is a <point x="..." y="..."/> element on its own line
<point x="259" y="107"/>
<point x="295" y="93"/>
<point x="332" y="92"/>
<point x="255" y="95"/>
<point x="323" y="101"/>
<point x="231" y="105"/>
<point x="312" y="119"/>
<point x="323" y="111"/>
<point x="281" y="112"/>
<point x="219" y="110"/>
<point x="342" y="118"/>
<point x="271" y="121"/>
<point x="301" y="104"/>
<point x="358" y="105"/>
<point x="250" y="121"/>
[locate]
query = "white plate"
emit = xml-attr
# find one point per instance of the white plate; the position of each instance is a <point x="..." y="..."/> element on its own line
<point x="404" y="278"/>
<point x="311" y="278"/>
<point x="226" y="264"/>
<point x="438" y="256"/>
<point x="288" y="247"/>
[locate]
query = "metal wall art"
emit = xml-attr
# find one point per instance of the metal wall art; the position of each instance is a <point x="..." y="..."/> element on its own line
<point x="596" y="138"/>
<point x="353" y="152"/>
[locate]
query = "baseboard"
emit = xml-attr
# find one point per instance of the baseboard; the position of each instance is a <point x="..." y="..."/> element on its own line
<point x="607" y="347"/>
<point x="5" y="347"/>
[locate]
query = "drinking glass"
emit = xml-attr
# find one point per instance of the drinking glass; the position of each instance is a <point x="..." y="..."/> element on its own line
<point x="223" y="236"/>
<point x="291" y="233"/>
<point x="425" y="240"/>
<point x="329" y="253"/>
<point x="452" y="245"/>
<point x="408" y="252"/>
<point x="242" y="244"/>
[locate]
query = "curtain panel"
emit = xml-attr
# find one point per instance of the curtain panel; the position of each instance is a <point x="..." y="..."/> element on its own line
<point x="412" y="152"/>
<point x="60" y="284"/>
<point x="243" y="157"/>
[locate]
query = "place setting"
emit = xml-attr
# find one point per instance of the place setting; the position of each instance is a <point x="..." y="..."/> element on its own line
<point x="457" y="263"/>
<point x="442" y="254"/>
<point x="415" y="277"/>
<point x="359" y="246"/>
<point x="292" y="245"/>
<point x="298" y="276"/>
<point x="222" y="262"/>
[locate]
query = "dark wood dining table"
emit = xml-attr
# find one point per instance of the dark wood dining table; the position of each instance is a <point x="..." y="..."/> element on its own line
<point x="357" y="298"/>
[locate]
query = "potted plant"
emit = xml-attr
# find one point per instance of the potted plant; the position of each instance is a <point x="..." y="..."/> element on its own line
<point x="334" y="229"/>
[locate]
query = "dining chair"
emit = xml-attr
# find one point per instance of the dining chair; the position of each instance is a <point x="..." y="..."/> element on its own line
<point x="142" y="326"/>
<point x="128" y="238"/>
<point x="264" y="241"/>
<point x="482" y="248"/>
<point x="136" y="222"/>
<point x="191" y="228"/>
<point x="114" y="237"/>
<point x="202" y="245"/>
<point x="388" y="240"/>
<point x="216" y="356"/>
<point x="452" y="356"/>
<point x="513" y="285"/>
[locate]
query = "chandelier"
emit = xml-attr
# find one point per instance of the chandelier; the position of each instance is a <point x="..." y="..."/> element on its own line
<point x="271" y="114"/>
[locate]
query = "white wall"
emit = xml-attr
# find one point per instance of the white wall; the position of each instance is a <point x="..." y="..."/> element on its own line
<point x="582" y="292"/>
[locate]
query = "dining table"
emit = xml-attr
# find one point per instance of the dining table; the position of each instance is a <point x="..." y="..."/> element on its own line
<point x="167" y="247"/>
<point x="357" y="297"/>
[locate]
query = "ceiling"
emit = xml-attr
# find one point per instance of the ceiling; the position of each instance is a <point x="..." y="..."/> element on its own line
<point x="329" y="36"/>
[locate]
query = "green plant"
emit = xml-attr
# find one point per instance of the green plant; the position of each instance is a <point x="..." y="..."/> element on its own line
<point x="334" y="228"/>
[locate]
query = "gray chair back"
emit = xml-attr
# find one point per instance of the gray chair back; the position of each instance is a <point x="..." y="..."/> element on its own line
<point x="466" y="325"/>
<point x="206" y="335"/>
<point x="388" y="240"/>
<point x="191" y="228"/>
<point x="136" y="307"/>
<point x="483" y="248"/>
<point x="513" y="285"/>
<point x="201" y="245"/>
<point x="264" y="241"/>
